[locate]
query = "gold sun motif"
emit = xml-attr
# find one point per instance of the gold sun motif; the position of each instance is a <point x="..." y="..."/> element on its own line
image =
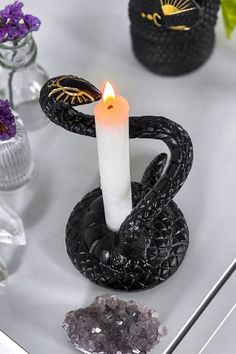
<point x="171" y="8"/>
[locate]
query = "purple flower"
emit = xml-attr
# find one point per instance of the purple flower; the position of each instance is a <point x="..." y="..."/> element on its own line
<point x="7" y="121"/>
<point x="22" y="30"/>
<point x="14" y="25"/>
<point x="15" y="12"/>
<point x="32" y="22"/>
<point x="12" y="33"/>
<point x="4" y="14"/>
<point x="3" y="34"/>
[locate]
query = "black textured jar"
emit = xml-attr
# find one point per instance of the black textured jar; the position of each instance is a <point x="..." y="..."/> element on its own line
<point x="173" y="48"/>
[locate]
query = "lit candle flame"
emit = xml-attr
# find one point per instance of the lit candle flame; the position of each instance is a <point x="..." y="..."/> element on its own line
<point x="109" y="92"/>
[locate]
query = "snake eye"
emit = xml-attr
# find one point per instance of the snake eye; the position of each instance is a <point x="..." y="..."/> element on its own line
<point x="73" y="90"/>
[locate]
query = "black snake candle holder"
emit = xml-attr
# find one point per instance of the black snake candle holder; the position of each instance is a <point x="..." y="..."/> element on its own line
<point x="173" y="37"/>
<point x="153" y="240"/>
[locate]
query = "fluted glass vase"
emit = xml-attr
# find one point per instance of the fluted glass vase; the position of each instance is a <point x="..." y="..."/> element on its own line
<point x="16" y="165"/>
<point x="21" y="79"/>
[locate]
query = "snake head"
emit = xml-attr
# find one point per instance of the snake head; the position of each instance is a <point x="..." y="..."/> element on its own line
<point x="72" y="90"/>
<point x="178" y="15"/>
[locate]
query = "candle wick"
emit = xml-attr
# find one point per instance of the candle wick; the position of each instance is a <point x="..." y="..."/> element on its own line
<point x="110" y="107"/>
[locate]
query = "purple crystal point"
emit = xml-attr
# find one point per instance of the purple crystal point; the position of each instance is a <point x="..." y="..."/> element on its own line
<point x="113" y="326"/>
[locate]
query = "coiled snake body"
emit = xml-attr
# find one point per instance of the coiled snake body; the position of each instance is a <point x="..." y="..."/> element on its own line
<point x="153" y="240"/>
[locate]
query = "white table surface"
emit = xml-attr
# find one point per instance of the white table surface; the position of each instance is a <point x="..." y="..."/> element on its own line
<point x="225" y="334"/>
<point x="214" y="331"/>
<point x="91" y="39"/>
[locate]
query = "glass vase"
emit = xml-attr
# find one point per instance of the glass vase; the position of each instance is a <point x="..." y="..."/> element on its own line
<point x="21" y="79"/>
<point x="3" y="273"/>
<point x="16" y="165"/>
<point x="11" y="227"/>
<point x="11" y="233"/>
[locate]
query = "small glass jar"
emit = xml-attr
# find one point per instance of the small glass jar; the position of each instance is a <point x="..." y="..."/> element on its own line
<point x="3" y="273"/>
<point x="11" y="233"/>
<point x="11" y="227"/>
<point x="21" y="80"/>
<point x="16" y="165"/>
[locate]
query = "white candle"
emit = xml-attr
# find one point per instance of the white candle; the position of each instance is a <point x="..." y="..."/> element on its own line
<point x="112" y="129"/>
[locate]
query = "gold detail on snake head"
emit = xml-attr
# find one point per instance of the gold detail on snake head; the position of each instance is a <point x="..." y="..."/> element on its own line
<point x="69" y="94"/>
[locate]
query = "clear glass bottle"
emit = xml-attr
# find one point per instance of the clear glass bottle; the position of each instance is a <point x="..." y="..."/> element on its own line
<point x="11" y="227"/>
<point x="11" y="233"/>
<point x="3" y="272"/>
<point x="16" y="165"/>
<point x="21" y="79"/>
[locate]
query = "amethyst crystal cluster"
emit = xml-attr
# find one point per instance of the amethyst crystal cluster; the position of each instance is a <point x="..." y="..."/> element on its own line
<point x="113" y="326"/>
<point x="14" y="25"/>
<point x="7" y="121"/>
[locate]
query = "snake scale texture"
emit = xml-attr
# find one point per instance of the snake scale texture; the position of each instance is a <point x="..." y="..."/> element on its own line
<point x="153" y="240"/>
